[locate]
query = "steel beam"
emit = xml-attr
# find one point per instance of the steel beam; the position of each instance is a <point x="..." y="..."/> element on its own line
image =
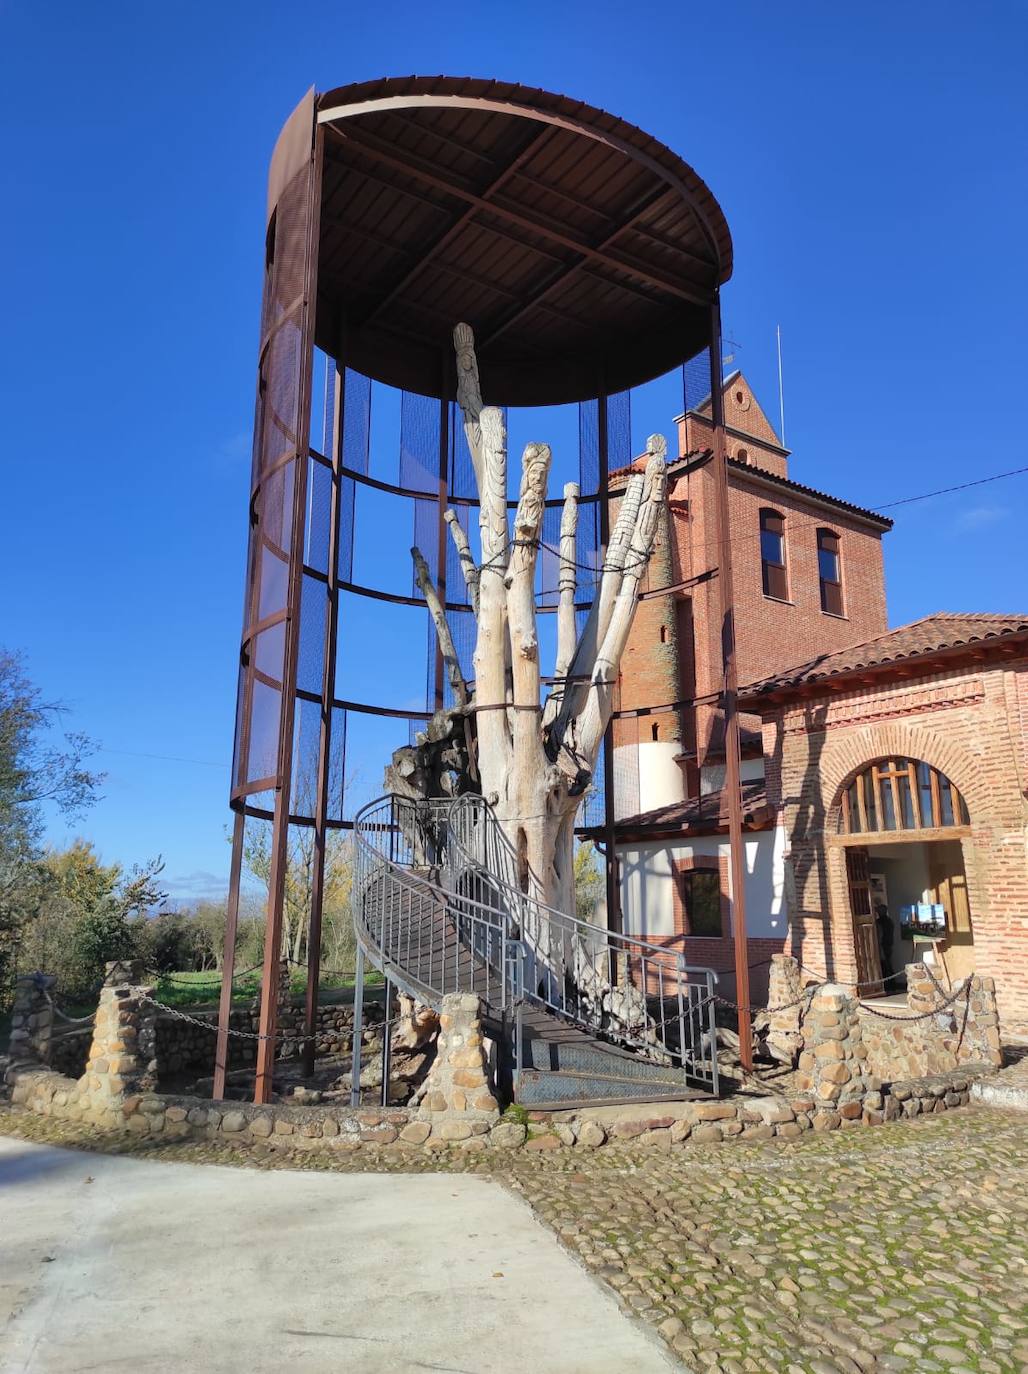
<point x="729" y="694"/>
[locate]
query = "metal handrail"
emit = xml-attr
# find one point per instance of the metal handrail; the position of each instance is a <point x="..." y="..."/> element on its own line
<point x="440" y="910"/>
<point x="418" y="933"/>
<point x="619" y="986"/>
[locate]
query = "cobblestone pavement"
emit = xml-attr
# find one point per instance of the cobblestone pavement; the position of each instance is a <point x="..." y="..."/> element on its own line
<point x="899" y="1248"/>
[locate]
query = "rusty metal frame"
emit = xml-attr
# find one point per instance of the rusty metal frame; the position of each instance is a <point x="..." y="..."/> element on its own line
<point x="590" y="255"/>
<point x="730" y="692"/>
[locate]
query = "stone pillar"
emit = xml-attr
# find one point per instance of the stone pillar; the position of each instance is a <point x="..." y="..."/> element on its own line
<point x="32" y="1019"/>
<point x="970" y="1038"/>
<point x="123" y="1056"/>
<point x="458" y="1100"/>
<point x="783" y="991"/>
<point x="833" y="1065"/>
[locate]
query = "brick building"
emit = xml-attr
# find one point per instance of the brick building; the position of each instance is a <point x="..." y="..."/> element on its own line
<point x="820" y="741"/>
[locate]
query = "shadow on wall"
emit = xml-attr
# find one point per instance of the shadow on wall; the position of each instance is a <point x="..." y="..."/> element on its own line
<point x="809" y="859"/>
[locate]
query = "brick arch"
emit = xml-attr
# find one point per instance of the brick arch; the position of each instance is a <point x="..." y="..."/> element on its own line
<point x="843" y="758"/>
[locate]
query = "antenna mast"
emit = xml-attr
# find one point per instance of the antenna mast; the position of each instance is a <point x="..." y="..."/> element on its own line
<point x="781" y="393"/>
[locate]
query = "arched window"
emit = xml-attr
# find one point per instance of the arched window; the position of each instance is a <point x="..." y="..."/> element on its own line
<point x="901" y="794"/>
<point x="743" y="456"/>
<point x="773" y="571"/>
<point x="829" y="568"/>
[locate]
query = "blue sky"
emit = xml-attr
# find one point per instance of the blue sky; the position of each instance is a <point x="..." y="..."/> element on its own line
<point x="870" y="162"/>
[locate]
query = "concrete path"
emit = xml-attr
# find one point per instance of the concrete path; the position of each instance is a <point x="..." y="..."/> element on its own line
<point x="111" y="1264"/>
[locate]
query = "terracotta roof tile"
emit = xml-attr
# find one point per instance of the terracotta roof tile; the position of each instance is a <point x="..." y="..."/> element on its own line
<point x="698" y="815"/>
<point x="920" y="639"/>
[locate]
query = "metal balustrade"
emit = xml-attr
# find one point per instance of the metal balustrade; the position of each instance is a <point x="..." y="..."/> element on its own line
<point x="439" y="909"/>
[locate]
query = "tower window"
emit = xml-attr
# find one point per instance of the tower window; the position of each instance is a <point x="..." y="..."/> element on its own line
<point x="743" y="456"/>
<point x="663" y="634"/>
<point x="829" y="568"/>
<point x="655" y="730"/>
<point x="773" y="571"/>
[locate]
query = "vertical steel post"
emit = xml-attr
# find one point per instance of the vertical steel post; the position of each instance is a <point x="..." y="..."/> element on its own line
<point x="443" y="499"/>
<point x="228" y="958"/>
<point x="358" y="1029"/>
<point x="328" y="689"/>
<point x="387" y="1043"/>
<point x="729" y="695"/>
<point x="280" y="823"/>
<point x="613" y="894"/>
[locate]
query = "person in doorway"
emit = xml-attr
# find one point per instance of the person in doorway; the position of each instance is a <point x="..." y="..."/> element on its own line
<point x="886" y="932"/>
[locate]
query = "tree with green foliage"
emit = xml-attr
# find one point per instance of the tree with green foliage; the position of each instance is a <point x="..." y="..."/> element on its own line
<point x="589" y="881"/>
<point x="92" y="913"/>
<point x="39" y="766"/>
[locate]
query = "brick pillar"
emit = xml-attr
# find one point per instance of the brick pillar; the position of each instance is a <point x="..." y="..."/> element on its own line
<point x="458" y="1100"/>
<point x="123" y="1056"/>
<point x="32" y="1019"/>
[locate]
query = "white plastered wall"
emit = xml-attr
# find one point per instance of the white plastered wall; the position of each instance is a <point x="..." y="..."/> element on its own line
<point x="647" y="891"/>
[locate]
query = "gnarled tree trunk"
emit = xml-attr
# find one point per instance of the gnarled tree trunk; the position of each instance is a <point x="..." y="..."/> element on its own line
<point x="535" y="759"/>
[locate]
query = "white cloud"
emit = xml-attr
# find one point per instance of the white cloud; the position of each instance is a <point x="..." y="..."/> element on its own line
<point x="978" y="517"/>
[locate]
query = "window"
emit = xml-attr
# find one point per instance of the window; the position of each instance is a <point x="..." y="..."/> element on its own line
<point x="829" y="568"/>
<point x="701" y="899"/>
<point x="901" y="794"/>
<point x="743" y="456"/>
<point x="772" y="555"/>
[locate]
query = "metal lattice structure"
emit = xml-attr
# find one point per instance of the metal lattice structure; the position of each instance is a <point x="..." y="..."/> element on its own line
<point x="587" y="256"/>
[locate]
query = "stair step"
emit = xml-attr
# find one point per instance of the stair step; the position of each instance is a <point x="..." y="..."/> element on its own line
<point x="565" y="1089"/>
<point x="591" y="1057"/>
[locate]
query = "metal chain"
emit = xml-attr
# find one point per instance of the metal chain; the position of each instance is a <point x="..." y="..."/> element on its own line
<point x="71" y="1020"/>
<point x="249" y="1035"/>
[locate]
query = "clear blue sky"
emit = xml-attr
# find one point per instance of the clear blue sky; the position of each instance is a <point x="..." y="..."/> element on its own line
<point x="871" y="163"/>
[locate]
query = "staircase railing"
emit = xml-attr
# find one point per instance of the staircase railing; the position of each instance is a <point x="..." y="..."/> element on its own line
<point x="621" y="987"/>
<point x="427" y="939"/>
<point x="439" y="909"/>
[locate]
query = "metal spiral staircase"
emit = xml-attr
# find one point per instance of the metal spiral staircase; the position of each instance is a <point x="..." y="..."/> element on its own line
<point x="581" y="1015"/>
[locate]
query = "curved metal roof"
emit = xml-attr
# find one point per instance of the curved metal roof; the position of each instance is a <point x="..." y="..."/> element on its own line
<point x="584" y="253"/>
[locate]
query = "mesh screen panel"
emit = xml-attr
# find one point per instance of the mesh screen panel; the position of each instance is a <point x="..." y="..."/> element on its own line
<point x="319" y="515"/>
<point x="310" y="660"/>
<point x="337" y="766"/>
<point x="265" y="710"/>
<point x="276" y="442"/>
<point x="419" y="443"/>
<point x="696" y="382"/>
<point x="303" y="795"/>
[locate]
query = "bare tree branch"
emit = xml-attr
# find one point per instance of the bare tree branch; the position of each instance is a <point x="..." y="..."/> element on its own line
<point x="469" y="394"/>
<point x="442" y="628"/>
<point x="491" y="648"/>
<point x="464" y="556"/>
<point x="520" y="584"/>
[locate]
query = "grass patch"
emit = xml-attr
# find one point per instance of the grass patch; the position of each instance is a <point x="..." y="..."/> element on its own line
<point x="192" y="989"/>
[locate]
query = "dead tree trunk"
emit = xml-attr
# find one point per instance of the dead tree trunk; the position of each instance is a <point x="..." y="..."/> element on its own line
<point x="536" y="758"/>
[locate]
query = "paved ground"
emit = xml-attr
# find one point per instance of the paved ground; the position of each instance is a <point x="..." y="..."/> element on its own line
<point x="902" y="1248"/>
<point x="113" y="1263"/>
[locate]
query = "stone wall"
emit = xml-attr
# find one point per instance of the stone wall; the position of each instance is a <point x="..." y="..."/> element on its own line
<point x="183" y="1047"/>
<point x="967" y="1032"/>
<point x="32" y="1018"/>
<point x="458" y="1109"/>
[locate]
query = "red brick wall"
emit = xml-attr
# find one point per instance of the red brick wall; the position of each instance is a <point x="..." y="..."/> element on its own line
<point x="770" y="634"/>
<point x="965" y="721"/>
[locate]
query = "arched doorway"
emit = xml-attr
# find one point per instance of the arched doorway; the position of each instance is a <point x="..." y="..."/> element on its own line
<point x="902" y="823"/>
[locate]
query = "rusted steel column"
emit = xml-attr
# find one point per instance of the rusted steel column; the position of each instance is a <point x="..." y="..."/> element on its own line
<point x="729" y="695"/>
<point x="328" y="691"/>
<point x="442" y="502"/>
<point x="280" y="823"/>
<point x="612" y="888"/>
<point x="221" y="1051"/>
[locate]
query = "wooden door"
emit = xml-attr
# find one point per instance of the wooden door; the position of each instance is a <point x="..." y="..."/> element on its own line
<point x="948" y="885"/>
<point x="865" y="933"/>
